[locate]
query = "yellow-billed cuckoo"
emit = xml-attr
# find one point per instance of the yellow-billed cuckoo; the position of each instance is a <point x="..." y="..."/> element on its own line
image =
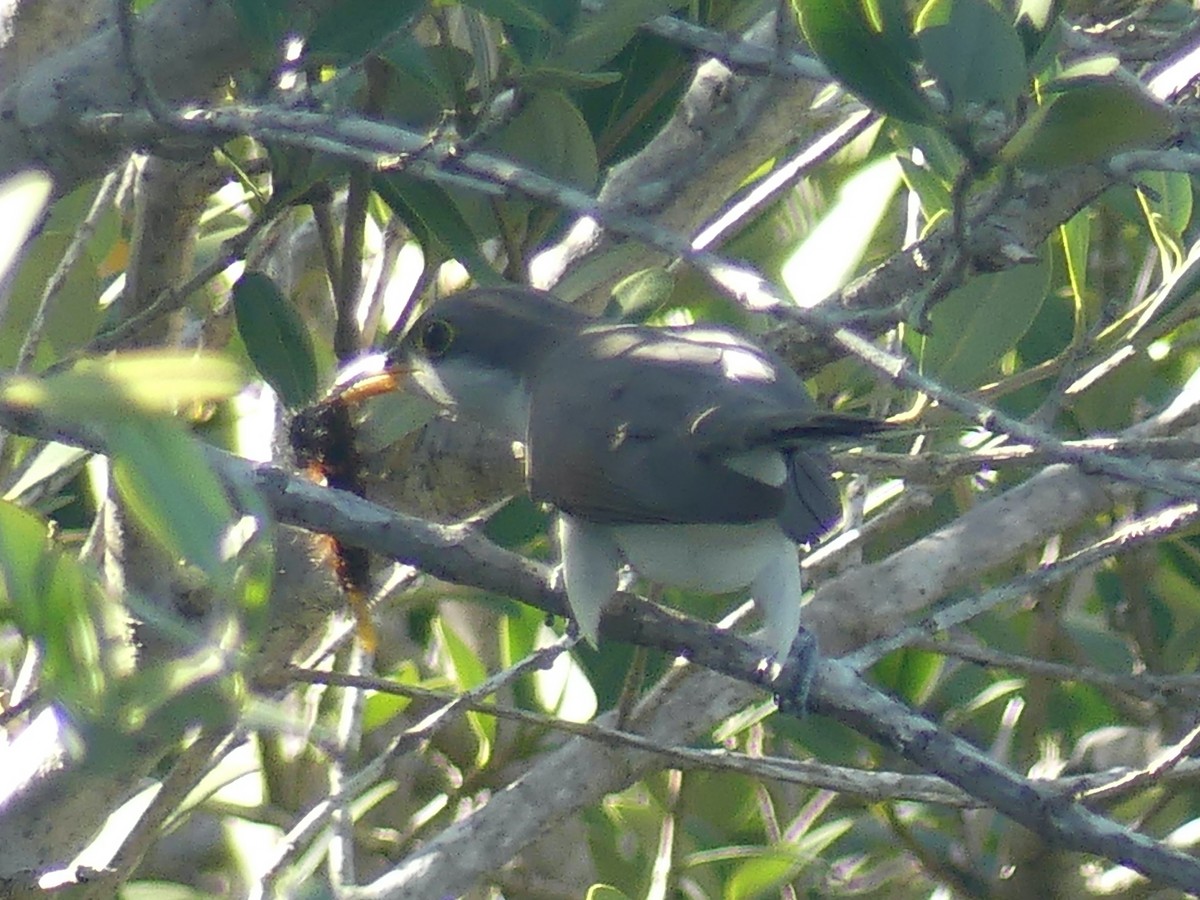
<point x="689" y="453"/>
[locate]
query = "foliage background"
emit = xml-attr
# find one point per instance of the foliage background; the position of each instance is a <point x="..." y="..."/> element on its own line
<point x="1000" y="196"/>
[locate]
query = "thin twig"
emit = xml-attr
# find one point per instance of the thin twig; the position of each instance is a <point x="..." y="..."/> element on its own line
<point x="1126" y="537"/>
<point x="309" y="825"/>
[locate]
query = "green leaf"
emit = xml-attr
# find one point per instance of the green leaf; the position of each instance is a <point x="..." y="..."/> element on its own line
<point x="1039" y="14"/>
<point x="605" y="892"/>
<point x="550" y="136"/>
<point x="1034" y="21"/>
<point x="265" y="22"/>
<point x="763" y="873"/>
<point x="155" y="380"/>
<point x="468" y="671"/>
<point x="51" y="600"/>
<point x="105" y="392"/>
<point x="1170" y="199"/>
<point x="276" y="339"/>
<point x="417" y="66"/>
<point x="1089" y="70"/>
<point x="972" y="328"/>
<point x="169" y="487"/>
<point x="833" y="250"/>
<point x="973" y="51"/>
<point x="428" y="210"/>
<point x="23" y="196"/>
<point x="873" y="63"/>
<point x="522" y="13"/>
<point x="545" y="78"/>
<point x="643" y="292"/>
<point x="603" y="34"/>
<point x="1089" y="124"/>
<point x="350" y="28"/>
<point x="72" y="318"/>
<point x="181" y="693"/>
<point x="537" y="43"/>
<point x="933" y="193"/>
<point x="1076" y="236"/>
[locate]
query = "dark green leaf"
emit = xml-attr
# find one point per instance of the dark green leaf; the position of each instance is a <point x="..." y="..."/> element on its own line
<point x="428" y="210"/>
<point x="973" y="51"/>
<point x="549" y="136"/>
<point x="548" y="79"/>
<point x="1088" y="125"/>
<point x="522" y="13"/>
<point x="892" y="19"/>
<point x="352" y="27"/>
<point x="536" y="44"/>
<point x="643" y="292"/>
<point x="872" y="63"/>
<point x="265" y="22"/>
<point x="981" y="321"/>
<point x="605" y="33"/>
<point x="276" y="339"/>
<point x="415" y="62"/>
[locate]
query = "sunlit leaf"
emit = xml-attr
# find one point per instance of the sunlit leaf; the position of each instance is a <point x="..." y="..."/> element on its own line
<point x="605" y="892"/>
<point x="1034" y="21"/>
<point x="160" y="380"/>
<point x="832" y="251"/>
<point x="1088" y="125"/>
<point x="933" y="193"/>
<point x="74" y="313"/>
<point x="22" y="198"/>
<point x="468" y="671"/>
<point x="873" y="63"/>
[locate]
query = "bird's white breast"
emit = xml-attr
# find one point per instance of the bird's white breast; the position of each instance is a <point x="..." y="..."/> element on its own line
<point x="716" y="558"/>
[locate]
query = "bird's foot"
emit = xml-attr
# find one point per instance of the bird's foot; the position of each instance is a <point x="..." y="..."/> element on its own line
<point x="794" y="677"/>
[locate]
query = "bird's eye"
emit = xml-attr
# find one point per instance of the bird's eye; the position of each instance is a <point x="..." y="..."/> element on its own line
<point x="436" y="337"/>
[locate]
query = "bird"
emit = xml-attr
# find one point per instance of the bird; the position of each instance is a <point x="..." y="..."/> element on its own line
<point x="689" y="453"/>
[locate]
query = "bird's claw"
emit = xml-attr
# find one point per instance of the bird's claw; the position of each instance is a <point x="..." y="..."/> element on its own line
<point x="794" y="679"/>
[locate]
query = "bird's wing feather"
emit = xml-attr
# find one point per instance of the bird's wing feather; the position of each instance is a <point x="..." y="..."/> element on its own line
<point x="635" y="451"/>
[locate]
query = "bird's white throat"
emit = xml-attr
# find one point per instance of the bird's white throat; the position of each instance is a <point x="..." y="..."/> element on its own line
<point x="495" y="398"/>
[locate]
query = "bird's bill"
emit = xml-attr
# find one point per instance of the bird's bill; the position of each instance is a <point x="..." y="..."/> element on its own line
<point x="372" y="377"/>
